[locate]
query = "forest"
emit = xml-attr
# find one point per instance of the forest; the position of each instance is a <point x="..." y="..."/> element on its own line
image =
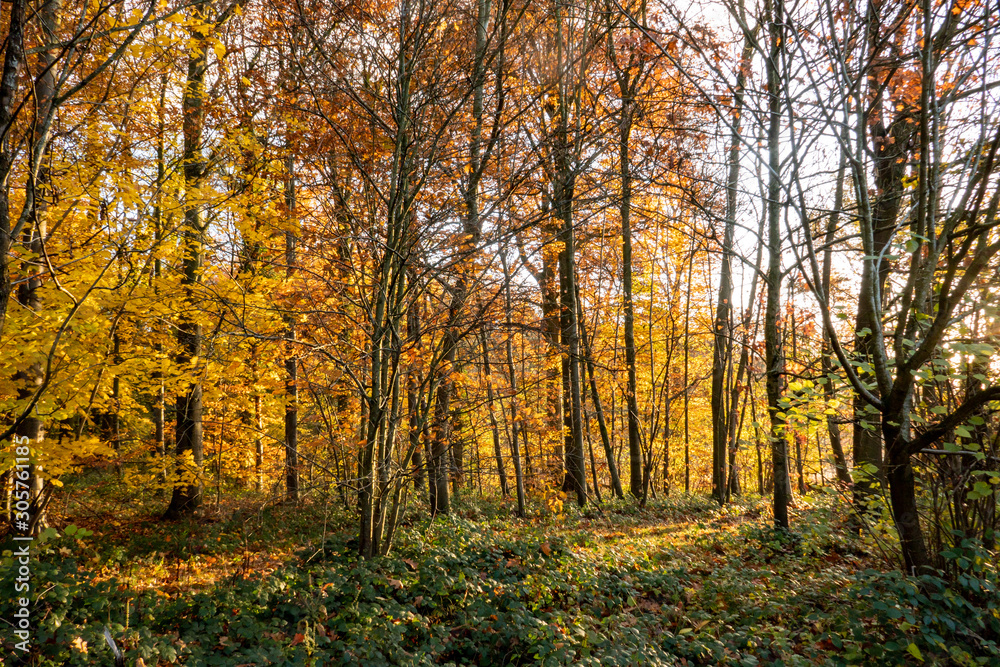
<point x="500" y="332"/>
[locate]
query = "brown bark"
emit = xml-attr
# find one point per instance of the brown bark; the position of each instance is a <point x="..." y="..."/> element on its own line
<point x="774" y="357"/>
<point x="187" y="493"/>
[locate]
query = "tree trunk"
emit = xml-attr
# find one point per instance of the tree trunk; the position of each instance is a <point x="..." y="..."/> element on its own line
<point x="625" y="210"/>
<point x="413" y="409"/>
<point x="291" y="361"/>
<point x="563" y="191"/>
<point x="160" y="397"/>
<point x="616" y="484"/>
<point x="494" y="426"/>
<point x="890" y="149"/>
<point x="13" y="62"/>
<point x="441" y="446"/>
<point x="517" y="425"/>
<point x="723" y="455"/>
<point x="829" y="388"/>
<point x="902" y="495"/>
<point x="34" y="234"/>
<point x="575" y="468"/>
<point x="774" y="358"/>
<point x="187" y="492"/>
<point x="687" y="385"/>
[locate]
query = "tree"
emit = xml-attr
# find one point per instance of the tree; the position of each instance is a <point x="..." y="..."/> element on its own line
<point x="723" y="332"/>
<point x="631" y="70"/>
<point x="943" y="245"/>
<point x="774" y="358"/>
<point x="187" y="490"/>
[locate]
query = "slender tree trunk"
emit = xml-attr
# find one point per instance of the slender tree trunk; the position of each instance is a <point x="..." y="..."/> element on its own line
<point x="829" y="387"/>
<point x="159" y="398"/>
<point x="735" y="425"/>
<point x="564" y="184"/>
<point x="797" y="436"/>
<point x="724" y="438"/>
<point x="517" y="425"/>
<point x="385" y="318"/>
<point x="34" y="234"/>
<point x="625" y="209"/>
<point x="722" y="348"/>
<point x="576" y="469"/>
<point x="187" y="493"/>
<point x="687" y="385"/>
<point x="413" y="408"/>
<point x="774" y="358"/>
<point x="723" y="334"/>
<point x="666" y="422"/>
<point x="13" y="63"/>
<point x="616" y="484"/>
<point x="551" y="380"/>
<point x="890" y="152"/>
<point x="494" y="426"/>
<point x="593" y="460"/>
<point x="291" y="361"/>
<point x="448" y="425"/>
<point x="31" y="429"/>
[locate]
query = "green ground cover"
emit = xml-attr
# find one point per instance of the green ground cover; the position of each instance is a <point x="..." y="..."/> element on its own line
<point x="678" y="583"/>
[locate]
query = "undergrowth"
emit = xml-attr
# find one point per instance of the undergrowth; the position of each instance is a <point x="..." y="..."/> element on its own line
<point x="680" y="582"/>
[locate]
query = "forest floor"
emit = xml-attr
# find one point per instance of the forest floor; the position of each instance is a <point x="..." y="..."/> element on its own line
<point x="680" y="582"/>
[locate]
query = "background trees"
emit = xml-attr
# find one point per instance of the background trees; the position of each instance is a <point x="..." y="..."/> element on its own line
<point x="392" y="253"/>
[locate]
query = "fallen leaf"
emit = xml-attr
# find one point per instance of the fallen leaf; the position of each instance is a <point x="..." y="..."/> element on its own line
<point x="79" y="644"/>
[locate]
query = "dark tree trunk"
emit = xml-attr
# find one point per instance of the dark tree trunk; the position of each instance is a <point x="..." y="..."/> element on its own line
<point x="687" y="369"/>
<point x="616" y="484"/>
<point x="13" y="63"/>
<point x="414" y="408"/>
<point x="575" y="468"/>
<point x="723" y="334"/>
<point x="890" y="150"/>
<point x="774" y="358"/>
<point x="625" y="210"/>
<point x="187" y="492"/>
<point x="441" y="446"/>
<point x="516" y="424"/>
<point x="494" y="426"/>
<point x="291" y="361"/>
<point x="903" y="496"/>
<point x="829" y="389"/>
<point x="160" y="397"/>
